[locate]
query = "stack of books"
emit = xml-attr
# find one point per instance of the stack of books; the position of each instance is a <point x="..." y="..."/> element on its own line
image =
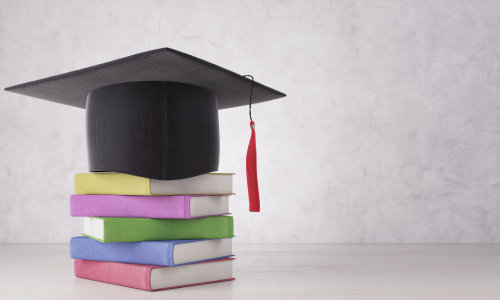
<point x="153" y="234"/>
<point x="154" y="115"/>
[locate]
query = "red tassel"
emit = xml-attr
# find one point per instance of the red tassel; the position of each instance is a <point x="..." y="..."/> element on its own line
<point x="253" y="184"/>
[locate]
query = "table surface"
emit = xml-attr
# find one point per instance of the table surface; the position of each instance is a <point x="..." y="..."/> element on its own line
<point x="281" y="271"/>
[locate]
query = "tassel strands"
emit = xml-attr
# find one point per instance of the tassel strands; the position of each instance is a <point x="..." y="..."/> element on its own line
<point x="252" y="182"/>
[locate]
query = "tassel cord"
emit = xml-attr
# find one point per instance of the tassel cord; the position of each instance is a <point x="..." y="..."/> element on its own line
<point x="251" y="93"/>
<point x="251" y="163"/>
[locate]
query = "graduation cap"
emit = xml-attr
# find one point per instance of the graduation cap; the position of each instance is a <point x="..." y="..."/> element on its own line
<point x="155" y="114"/>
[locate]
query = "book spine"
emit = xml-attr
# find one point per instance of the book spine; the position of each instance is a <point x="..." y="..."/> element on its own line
<point x="130" y="275"/>
<point x="111" y="184"/>
<point x="169" y="207"/>
<point x="142" y="229"/>
<point x="146" y="253"/>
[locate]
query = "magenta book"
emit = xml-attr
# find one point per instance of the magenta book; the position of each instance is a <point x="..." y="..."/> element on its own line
<point x="155" y="278"/>
<point x="164" y="207"/>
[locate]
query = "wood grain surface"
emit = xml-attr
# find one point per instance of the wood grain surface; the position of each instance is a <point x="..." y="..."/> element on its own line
<point x="281" y="271"/>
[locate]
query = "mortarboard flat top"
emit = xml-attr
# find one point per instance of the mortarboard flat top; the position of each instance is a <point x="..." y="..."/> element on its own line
<point x="164" y="64"/>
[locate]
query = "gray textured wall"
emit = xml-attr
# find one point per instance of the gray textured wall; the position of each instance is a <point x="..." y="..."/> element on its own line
<point x="390" y="131"/>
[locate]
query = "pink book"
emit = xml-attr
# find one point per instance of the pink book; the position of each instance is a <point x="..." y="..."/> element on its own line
<point x="155" y="278"/>
<point x="164" y="207"/>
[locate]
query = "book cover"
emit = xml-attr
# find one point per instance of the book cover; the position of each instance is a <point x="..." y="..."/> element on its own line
<point x="160" y="253"/>
<point x="155" y="278"/>
<point x="109" y="230"/>
<point x="123" y="184"/>
<point x="167" y="207"/>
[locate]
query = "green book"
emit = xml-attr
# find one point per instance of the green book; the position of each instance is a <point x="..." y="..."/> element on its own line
<point x="109" y="230"/>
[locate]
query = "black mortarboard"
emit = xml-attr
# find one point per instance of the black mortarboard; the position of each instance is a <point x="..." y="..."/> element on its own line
<point x="153" y="114"/>
<point x="164" y="64"/>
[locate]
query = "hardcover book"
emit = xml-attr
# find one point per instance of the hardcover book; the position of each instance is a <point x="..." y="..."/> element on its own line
<point x="110" y="230"/>
<point x="154" y="278"/>
<point x="123" y="184"/>
<point x="160" y="253"/>
<point x="168" y="207"/>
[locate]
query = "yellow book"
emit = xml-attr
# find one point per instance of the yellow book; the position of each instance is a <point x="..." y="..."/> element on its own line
<point x="123" y="184"/>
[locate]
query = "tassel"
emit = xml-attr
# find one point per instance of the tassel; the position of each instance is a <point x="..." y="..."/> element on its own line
<point x="252" y="182"/>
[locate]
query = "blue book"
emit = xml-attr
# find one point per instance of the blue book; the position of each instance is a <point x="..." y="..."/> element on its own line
<point x="159" y="253"/>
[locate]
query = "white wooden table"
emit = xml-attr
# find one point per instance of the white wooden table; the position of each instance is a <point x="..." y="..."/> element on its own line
<point x="281" y="271"/>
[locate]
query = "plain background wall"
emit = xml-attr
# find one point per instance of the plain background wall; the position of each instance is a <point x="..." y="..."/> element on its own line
<point x="390" y="132"/>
